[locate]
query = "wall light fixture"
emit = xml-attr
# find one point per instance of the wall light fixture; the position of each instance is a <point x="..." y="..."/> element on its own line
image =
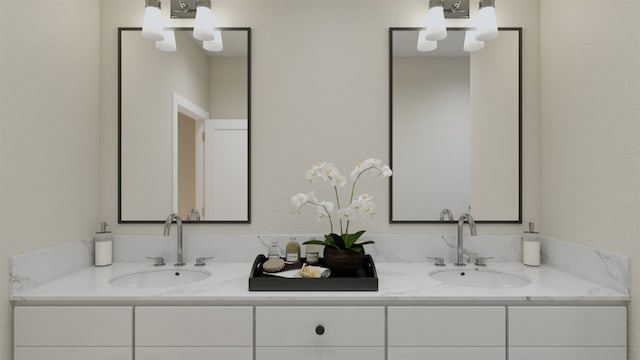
<point x="435" y="27"/>
<point x="152" y="26"/>
<point x="487" y="28"/>
<point x="204" y="26"/>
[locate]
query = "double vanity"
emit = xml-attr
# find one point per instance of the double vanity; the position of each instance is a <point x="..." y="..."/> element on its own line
<point x="135" y="310"/>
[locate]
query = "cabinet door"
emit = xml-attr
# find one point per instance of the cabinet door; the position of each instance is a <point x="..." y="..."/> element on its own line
<point x="538" y="326"/>
<point x="72" y="353"/>
<point x="447" y="353"/>
<point x="320" y="353"/>
<point x="448" y="326"/>
<point x="69" y="326"/>
<point x="568" y="353"/>
<point x="204" y="326"/>
<point x="194" y="353"/>
<point x="320" y="326"/>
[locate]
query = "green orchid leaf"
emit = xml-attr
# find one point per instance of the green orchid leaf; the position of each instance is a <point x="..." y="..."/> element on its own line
<point x="365" y="243"/>
<point x="350" y="239"/>
<point x="337" y="240"/>
<point x="316" y="242"/>
<point x="356" y="248"/>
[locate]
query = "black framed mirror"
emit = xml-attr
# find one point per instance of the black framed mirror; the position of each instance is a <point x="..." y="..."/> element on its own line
<point x="455" y="128"/>
<point x="184" y="126"/>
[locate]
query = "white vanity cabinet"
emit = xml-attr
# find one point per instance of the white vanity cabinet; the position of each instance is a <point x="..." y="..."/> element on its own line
<point x="567" y="332"/>
<point x="446" y="332"/>
<point x="73" y="332"/>
<point x="320" y="333"/>
<point x="193" y="332"/>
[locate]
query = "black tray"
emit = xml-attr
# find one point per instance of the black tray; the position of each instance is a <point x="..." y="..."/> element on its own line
<point x="365" y="279"/>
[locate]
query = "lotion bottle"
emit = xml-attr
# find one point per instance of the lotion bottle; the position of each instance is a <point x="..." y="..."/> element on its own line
<point x="103" y="247"/>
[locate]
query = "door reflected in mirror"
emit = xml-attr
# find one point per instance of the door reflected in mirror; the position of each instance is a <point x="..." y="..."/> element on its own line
<point x="455" y="128"/>
<point x="184" y="123"/>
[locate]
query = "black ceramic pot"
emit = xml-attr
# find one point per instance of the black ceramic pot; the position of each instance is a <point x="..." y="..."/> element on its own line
<point x="343" y="262"/>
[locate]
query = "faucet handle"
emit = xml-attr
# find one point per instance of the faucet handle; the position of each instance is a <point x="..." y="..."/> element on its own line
<point x="158" y="261"/>
<point x="437" y="261"/>
<point x="482" y="261"/>
<point x="201" y="261"/>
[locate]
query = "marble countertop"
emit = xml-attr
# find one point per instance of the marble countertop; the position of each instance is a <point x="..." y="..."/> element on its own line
<point x="399" y="283"/>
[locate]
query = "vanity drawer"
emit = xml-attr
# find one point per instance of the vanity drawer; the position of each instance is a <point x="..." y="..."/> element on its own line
<point x="194" y="353"/>
<point x="72" y="326"/>
<point x="320" y="353"/>
<point x="72" y="353"/>
<point x="447" y="353"/>
<point x="568" y="353"/>
<point x="568" y="326"/>
<point x="194" y="326"/>
<point x="454" y="326"/>
<point x="320" y="326"/>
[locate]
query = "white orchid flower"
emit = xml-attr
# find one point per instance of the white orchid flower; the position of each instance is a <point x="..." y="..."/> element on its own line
<point x="322" y="214"/>
<point x="346" y="214"/>
<point x="368" y="208"/>
<point x="299" y="199"/>
<point x="328" y="205"/>
<point x="365" y="197"/>
<point x="339" y="181"/>
<point x="386" y="171"/>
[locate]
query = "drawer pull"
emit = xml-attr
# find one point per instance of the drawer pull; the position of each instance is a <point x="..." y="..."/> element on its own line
<point x="319" y="329"/>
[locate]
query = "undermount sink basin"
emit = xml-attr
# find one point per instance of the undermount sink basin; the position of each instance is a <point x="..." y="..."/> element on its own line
<point x="160" y="278"/>
<point x="479" y="278"/>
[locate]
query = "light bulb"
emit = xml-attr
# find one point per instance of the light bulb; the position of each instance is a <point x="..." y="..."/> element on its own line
<point x="152" y="24"/>
<point x="214" y="45"/>
<point x="436" y="27"/>
<point x="169" y="42"/>
<point x="424" y="44"/>
<point x="471" y="43"/>
<point x="203" y="28"/>
<point x="487" y="28"/>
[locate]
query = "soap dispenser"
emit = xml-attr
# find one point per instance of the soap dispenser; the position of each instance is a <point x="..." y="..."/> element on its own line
<point x="103" y="247"/>
<point x="531" y="247"/>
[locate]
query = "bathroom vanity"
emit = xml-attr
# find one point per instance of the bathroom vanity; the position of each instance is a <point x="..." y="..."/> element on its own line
<point x="412" y="316"/>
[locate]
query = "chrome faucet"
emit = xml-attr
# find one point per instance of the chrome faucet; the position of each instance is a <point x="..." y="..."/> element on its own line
<point x="446" y="213"/>
<point x="167" y="228"/>
<point x="195" y="214"/>
<point x="472" y="227"/>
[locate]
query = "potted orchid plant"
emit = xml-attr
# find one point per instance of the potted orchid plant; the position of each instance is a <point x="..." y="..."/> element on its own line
<point x="343" y="253"/>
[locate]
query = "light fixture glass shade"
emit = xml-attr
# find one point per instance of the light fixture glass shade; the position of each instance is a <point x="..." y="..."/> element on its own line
<point x="471" y="43"/>
<point x="152" y="28"/>
<point x="487" y="24"/>
<point x="169" y="42"/>
<point x="425" y="45"/>
<point x="214" y="45"/>
<point x="204" y="27"/>
<point x="436" y="27"/>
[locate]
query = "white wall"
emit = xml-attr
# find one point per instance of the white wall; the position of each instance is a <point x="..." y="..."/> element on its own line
<point x="228" y="88"/>
<point x="320" y="92"/>
<point x="590" y="130"/>
<point x="49" y="142"/>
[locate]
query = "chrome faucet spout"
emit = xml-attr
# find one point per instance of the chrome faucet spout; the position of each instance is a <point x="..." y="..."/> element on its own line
<point x="167" y="229"/>
<point x="472" y="227"/>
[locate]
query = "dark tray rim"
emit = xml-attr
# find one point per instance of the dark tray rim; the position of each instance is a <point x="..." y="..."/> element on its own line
<point x="261" y="282"/>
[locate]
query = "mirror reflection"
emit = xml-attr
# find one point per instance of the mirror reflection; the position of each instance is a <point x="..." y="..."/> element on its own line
<point x="184" y="128"/>
<point x="455" y="128"/>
